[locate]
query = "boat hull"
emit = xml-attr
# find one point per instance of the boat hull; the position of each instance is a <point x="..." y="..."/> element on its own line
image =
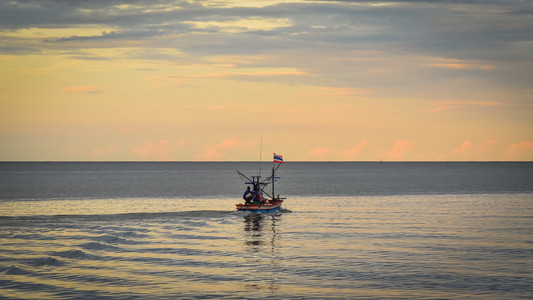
<point x="260" y="208"/>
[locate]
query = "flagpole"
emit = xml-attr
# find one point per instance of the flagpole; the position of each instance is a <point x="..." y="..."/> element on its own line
<point x="277" y="159"/>
<point x="273" y="181"/>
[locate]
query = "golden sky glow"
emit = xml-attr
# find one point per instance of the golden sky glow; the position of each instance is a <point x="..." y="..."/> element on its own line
<point x="317" y="80"/>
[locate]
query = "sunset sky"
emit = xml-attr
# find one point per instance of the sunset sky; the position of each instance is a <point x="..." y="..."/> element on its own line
<point x="346" y="80"/>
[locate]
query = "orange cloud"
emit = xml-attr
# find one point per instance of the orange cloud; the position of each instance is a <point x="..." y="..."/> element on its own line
<point x="157" y="151"/>
<point x="292" y="72"/>
<point x="355" y="151"/>
<point x="84" y="89"/>
<point x="400" y="150"/>
<point x="452" y="105"/>
<point x="175" y="80"/>
<point x="520" y="151"/>
<point x="467" y="145"/>
<point x="320" y="151"/>
<point x="470" y="151"/>
<point x="217" y="152"/>
<point x="457" y="64"/>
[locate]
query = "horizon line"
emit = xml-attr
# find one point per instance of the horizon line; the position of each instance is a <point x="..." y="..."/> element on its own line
<point x="257" y="161"/>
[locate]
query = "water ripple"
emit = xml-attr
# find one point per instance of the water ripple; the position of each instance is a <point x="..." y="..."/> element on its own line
<point x="360" y="249"/>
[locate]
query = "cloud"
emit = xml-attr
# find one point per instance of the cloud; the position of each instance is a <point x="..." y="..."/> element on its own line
<point x="455" y="105"/>
<point x="226" y="29"/>
<point x="520" y="151"/>
<point x="161" y="151"/>
<point x="319" y="38"/>
<point x="458" y="64"/>
<point x="260" y="75"/>
<point x="221" y="150"/>
<point x="466" y="146"/>
<point x="354" y="152"/>
<point x="242" y="24"/>
<point x="400" y="150"/>
<point x="83" y="89"/>
<point x="320" y="151"/>
<point x="475" y="152"/>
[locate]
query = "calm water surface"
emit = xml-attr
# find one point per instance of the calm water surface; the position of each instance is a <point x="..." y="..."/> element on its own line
<point x="403" y="231"/>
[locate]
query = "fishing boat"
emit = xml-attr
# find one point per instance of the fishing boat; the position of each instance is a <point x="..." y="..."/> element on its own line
<point x="255" y="200"/>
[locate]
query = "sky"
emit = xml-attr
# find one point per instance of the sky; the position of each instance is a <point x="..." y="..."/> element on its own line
<point x="153" y="80"/>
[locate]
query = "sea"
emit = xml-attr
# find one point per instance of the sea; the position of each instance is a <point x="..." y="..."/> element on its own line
<point x="347" y="230"/>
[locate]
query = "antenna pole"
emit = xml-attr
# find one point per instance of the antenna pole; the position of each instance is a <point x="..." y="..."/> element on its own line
<point x="260" y="157"/>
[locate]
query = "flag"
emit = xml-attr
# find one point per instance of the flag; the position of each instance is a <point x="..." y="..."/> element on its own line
<point x="278" y="158"/>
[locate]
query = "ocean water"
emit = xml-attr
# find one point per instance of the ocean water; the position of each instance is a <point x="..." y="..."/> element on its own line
<point x="346" y="231"/>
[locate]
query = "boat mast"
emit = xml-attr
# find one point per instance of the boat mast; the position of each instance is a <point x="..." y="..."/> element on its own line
<point x="260" y="157"/>
<point x="273" y="180"/>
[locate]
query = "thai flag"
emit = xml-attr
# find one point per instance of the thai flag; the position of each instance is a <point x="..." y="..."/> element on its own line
<point x="278" y="158"/>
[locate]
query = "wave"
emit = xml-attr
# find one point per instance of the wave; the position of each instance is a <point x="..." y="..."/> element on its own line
<point x="200" y="214"/>
<point x="73" y="253"/>
<point x="15" y="270"/>
<point x="98" y="246"/>
<point x="45" y="261"/>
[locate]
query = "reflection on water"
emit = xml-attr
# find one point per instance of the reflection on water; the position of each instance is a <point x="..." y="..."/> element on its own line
<point x="253" y="230"/>
<point x="260" y="242"/>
